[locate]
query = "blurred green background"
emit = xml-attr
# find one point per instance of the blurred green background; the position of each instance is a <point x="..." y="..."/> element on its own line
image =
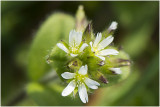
<point x="137" y="33"/>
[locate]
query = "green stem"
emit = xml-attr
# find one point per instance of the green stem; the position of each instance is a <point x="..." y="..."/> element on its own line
<point x="22" y="94"/>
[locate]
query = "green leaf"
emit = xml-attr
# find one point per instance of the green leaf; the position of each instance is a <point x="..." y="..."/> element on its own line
<point x="136" y="42"/>
<point x="26" y="102"/>
<point x="141" y="84"/>
<point x="107" y="96"/>
<point x="56" y="27"/>
<point x="50" y="96"/>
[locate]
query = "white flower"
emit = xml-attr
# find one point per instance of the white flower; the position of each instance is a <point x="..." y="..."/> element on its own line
<point x="79" y="80"/>
<point x="98" y="47"/>
<point x="75" y="46"/>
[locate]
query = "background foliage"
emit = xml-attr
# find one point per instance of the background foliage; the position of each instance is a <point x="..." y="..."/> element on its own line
<point x="137" y="33"/>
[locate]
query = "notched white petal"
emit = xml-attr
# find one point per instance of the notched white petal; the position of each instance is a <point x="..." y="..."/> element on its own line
<point x="97" y="40"/>
<point x="116" y="70"/>
<point x="108" y="52"/>
<point x="64" y="48"/>
<point x="71" y="38"/>
<point x="91" y="83"/>
<point x="78" y="38"/>
<point x="68" y="75"/>
<point x="91" y="46"/>
<point x="86" y="67"/>
<point x="70" y="87"/>
<point x="105" y="42"/>
<point x="101" y="57"/>
<point x="92" y="86"/>
<point x="84" y="45"/>
<point x="83" y="93"/>
<point x="82" y="70"/>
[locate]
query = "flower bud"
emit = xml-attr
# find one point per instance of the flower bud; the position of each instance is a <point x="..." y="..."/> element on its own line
<point x="75" y="64"/>
<point x="103" y="79"/>
<point x="81" y="21"/>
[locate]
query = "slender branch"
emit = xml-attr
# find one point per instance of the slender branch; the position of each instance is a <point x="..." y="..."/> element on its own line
<point x="18" y="98"/>
<point x="22" y="95"/>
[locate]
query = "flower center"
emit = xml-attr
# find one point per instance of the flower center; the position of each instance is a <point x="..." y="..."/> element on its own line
<point x="74" y="49"/>
<point x="95" y="50"/>
<point x="79" y="78"/>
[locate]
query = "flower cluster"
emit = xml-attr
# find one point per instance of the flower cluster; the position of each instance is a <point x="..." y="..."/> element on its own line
<point x="98" y="48"/>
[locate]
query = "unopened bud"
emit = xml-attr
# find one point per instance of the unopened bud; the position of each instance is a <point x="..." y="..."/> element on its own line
<point x="81" y="21"/>
<point x="75" y="64"/>
<point x="123" y="62"/>
<point x="111" y="29"/>
<point x="116" y="70"/>
<point x="103" y="79"/>
<point x="113" y="26"/>
<point x="101" y="63"/>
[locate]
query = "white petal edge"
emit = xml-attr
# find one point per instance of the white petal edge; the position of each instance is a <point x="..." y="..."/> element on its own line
<point x="84" y="45"/>
<point x="78" y="38"/>
<point x="86" y="67"/>
<point x="91" y="83"/>
<point x="70" y="87"/>
<point x="90" y="43"/>
<point x="101" y="57"/>
<point x="91" y="46"/>
<point x="82" y="70"/>
<point x="73" y="55"/>
<point x="83" y="93"/>
<point x="116" y="70"/>
<point x="97" y="40"/>
<point x="61" y="46"/>
<point x="108" y="52"/>
<point x="113" y="26"/>
<point x="105" y="42"/>
<point x="68" y="75"/>
<point x="71" y="38"/>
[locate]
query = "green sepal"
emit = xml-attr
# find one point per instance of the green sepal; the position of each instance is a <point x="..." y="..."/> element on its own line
<point x="107" y="33"/>
<point x="58" y="60"/>
<point x="56" y="54"/>
<point x="75" y="91"/>
<point x="88" y="34"/>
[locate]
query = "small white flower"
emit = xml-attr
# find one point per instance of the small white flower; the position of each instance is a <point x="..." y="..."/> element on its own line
<point x="79" y="80"/>
<point x="75" y="47"/>
<point x="98" y="47"/>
